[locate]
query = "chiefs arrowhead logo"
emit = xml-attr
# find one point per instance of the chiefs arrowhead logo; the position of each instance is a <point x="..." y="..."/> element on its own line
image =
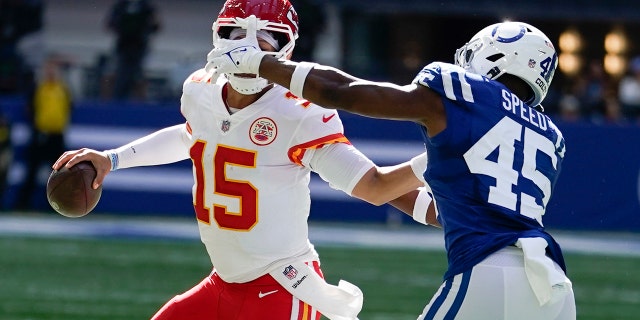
<point x="263" y="131"/>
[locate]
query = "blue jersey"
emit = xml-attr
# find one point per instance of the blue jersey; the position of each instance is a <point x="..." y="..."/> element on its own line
<point x="492" y="170"/>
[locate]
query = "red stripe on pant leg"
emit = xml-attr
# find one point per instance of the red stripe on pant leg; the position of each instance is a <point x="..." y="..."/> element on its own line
<point x="318" y="315"/>
<point x="308" y="311"/>
<point x="302" y="310"/>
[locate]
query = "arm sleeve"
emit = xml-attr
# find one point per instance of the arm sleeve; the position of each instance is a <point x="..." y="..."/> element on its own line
<point x="340" y="164"/>
<point x="168" y="145"/>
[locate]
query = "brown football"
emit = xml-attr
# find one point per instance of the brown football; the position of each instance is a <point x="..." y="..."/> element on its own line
<point x="69" y="190"/>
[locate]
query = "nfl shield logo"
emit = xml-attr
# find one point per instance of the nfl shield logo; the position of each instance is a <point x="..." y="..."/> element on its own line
<point x="225" y="125"/>
<point x="532" y="63"/>
<point x="290" y="272"/>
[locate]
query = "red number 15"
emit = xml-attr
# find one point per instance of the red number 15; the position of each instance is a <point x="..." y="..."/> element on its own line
<point x="244" y="191"/>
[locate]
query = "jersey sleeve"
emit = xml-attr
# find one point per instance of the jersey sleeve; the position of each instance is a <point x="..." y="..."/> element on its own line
<point x="339" y="164"/>
<point x="319" y="127"/>
<point x="453" y="82"/>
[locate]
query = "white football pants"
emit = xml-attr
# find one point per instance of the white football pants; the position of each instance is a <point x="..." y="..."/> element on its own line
<point x="495" y="289"/>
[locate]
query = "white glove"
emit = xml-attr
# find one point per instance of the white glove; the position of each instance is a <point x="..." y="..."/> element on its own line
<point x="237" y="56"/>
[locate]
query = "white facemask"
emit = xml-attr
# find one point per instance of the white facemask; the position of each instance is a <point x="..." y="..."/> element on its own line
<point x="247" y="86"/>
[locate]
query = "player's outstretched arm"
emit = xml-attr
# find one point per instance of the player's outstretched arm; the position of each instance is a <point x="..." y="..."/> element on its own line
<point x="401" y="186"/>
<point x="327" y="86"/>
<point x="333" y="88"/>
<point x="380" y="185"/>
<point x="349" y="170"/>
<point x="164" y="146"/>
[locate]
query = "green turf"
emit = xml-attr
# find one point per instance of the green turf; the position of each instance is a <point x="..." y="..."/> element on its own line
<point x="55" y="278"/>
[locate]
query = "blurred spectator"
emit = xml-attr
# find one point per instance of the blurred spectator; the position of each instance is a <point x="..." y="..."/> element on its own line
<point x="6" y="156"/>
<point x="133" y="22"/>
<point x="629" y="91"/>
<point x="613" y="111"/>
<point x="595" y="86"/>
<point x="50" y="110"/>
<point x="312" y="17"/>
<point x="569" y="108"/>
<point x="18" y="18"/>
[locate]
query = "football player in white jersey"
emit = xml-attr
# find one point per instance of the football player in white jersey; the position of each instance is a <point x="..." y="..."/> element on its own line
<point x="253" y="145"/>
<point x="494" y="158"/>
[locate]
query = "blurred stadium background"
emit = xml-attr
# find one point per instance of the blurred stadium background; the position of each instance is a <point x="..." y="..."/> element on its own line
<point x="599" y="188"/>
<point x="597" y="197"/>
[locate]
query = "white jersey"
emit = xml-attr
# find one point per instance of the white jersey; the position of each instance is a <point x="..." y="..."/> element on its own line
<point x="251" y="190"/>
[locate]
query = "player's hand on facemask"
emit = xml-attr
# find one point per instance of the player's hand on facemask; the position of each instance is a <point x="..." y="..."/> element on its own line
<point x="237" y="56"/>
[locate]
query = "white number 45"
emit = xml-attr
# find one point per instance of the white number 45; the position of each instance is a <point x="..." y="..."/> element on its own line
<point x="503" y="136"/>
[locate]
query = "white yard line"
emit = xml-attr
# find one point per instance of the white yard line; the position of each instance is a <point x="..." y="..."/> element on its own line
<point x="367" y="235"/>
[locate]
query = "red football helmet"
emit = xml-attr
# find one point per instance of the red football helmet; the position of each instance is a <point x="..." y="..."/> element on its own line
<point x="277" y="16"/>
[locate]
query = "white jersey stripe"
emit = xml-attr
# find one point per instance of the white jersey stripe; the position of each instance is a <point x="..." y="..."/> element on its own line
<point x="466" y="89"/>
<point x="447" y="84"/>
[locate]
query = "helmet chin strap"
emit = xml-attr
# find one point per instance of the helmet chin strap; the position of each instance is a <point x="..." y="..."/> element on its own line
<point x="247" y="86"/>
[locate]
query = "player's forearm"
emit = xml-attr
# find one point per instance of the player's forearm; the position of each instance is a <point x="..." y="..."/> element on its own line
<point x="323" y="85"/>
<point x="383" y="184"/>
<point x="161" y="147"/>
<point x="332" y="88"/>
<point x="418" y="205"/>
<point x="405" y="202"/>
<point x="278" y="71"/>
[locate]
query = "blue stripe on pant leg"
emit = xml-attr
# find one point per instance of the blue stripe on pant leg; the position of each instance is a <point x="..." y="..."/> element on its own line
<point x="457" y="303"/>
<point x="439" y="300"/>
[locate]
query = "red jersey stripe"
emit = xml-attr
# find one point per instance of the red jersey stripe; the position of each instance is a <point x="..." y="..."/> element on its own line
<point x="296" y="153"/>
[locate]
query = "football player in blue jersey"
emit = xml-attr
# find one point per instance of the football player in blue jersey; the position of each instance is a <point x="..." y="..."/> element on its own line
<point x="493" y="160"/>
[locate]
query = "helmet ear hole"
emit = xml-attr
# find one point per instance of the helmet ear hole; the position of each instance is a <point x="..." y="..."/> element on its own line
<point x="495" y="57"/>
<point x="468" y="54"/>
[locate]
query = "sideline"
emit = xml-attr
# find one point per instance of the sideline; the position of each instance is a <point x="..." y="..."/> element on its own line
<point x="328" y="234"/>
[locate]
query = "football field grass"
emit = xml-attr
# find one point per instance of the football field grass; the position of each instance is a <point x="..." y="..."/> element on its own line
<point x="111" y="278"/>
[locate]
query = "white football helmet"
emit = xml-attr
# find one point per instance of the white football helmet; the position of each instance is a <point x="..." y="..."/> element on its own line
<point x="514" y="48"/>
<point x="278" y="17"/>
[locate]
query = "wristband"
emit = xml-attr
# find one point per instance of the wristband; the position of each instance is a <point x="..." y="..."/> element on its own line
<point x="299" y="76"/>
<point x="113" y="157"/>
<point x="423" y="200"/>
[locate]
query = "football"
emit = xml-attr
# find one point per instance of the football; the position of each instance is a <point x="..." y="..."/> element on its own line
<point x="69" y="190"/>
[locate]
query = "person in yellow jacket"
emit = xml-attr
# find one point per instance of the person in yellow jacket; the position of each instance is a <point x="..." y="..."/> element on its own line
<point x="50" y="110"/>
